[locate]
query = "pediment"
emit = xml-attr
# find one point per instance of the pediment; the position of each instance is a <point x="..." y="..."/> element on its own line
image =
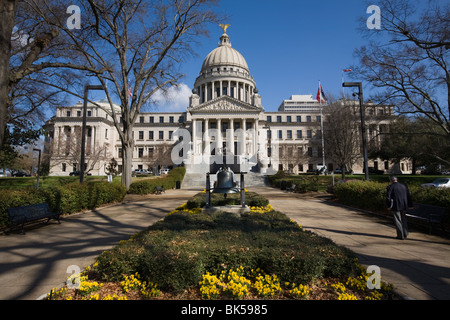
<point x="224" y="104"/>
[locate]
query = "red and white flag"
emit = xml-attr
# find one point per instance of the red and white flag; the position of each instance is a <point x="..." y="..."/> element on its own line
<point x="320" y="94"/>
<point x="129" y="91"/>
<point x="347" y="70"/>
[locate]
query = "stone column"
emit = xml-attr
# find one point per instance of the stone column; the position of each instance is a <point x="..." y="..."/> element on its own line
<point x="194" y="136"/>
<point x="212" y="90"/>
<point x="219" y="143"/>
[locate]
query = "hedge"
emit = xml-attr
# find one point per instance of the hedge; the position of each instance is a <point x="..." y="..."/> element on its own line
<point x="167" y="182"/>
<point x="252" y="199"/>
<point x="303" y="183"/>
<point x="69" y="198"/>
<point x="371" y="195"/>
<point x="176" y="251"/>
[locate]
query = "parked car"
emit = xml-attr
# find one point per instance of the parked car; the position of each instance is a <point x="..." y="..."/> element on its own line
<point x="165" y="171"/>
<point x="339" y="171"/>
<point x="21" y="174"/>
<point x="142" y="171"/>
<point x="438" y="183"/>
<point x="77" y="173"/>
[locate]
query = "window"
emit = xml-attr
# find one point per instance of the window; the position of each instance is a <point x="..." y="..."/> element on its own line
<point x="299" y="118"/>
<point x="152" y="119"/>
<point x="63" y="167"/>
<point x="171" y="119"/>
<point x="300" y="168"/>
<point x="288" y="119"/>
<point x="289" y="134"/>
<point x="78" y="113"/>
<point x="269" y="118"/>
<point x="106" y="133"/>
<point x="278" y="118"/>
<point x="161" y="135"/>
<point x="141" y="135"/>
<point x="318" y="118"/>
<point x="310" y="152"/>
<point x="170" y="135"/>
<point x="309" y="133"/>
<point x="67" y="113"/>
<point x="299" y="134"/>
<point x="141" y="119"/>
<point x="140" y="152"/>
<point x="89" y="113"/>
<point x="269" y="134"/>
<point x="150" y="135"/>
<point x="161" y="119"/>
<point x="120" y="153"/>
<point x="280" y="134"/>
<point x="308" y="118"/>
<point x="181" y="119"/>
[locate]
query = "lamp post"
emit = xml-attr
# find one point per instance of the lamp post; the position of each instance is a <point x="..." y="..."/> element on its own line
<point x="83" y="128"/>
<point x="363" y="125"/>
<point x="39" y="166"/>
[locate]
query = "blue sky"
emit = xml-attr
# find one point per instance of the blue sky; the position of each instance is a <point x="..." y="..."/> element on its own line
<point x="289" y="45"/>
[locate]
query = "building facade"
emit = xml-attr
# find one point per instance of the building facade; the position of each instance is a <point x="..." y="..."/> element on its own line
<point x="224" y="123"/>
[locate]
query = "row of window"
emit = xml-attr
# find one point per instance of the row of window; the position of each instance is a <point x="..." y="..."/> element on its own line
<point x="151" y="135"/>
<point x="291" y="118"/>
<point x="151" y="119"/>
<point x="298" y="135"/>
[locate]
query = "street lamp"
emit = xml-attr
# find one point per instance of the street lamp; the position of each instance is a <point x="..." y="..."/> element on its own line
<point x="83" y="128"/>
<point x="363" y="125"/>
<point x="39" y="165"/>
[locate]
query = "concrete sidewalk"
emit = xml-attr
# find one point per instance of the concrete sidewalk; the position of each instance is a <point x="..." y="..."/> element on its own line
<point x="418" y="267"/>
<point x="32" y="264"/>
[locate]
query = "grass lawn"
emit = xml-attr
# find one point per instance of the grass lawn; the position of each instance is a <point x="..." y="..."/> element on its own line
<point x="191" y="255"/>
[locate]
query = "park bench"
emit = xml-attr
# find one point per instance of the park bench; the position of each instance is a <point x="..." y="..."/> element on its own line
<point x="19" y="216"/>
<point x="428" y="214"/>
<point x="159" y="189"/>
<point x="291" y="188"/>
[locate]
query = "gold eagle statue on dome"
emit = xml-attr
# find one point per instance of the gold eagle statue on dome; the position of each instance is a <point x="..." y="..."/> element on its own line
<point x="224" y="27"/>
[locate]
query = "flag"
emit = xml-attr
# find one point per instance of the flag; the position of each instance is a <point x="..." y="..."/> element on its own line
<point x="129" y="91"/>
<point x="347" y="70"/>
<point x="320" y="95"/>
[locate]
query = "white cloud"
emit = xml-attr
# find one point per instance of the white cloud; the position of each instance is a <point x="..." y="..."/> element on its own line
<point x="175" y="99"/>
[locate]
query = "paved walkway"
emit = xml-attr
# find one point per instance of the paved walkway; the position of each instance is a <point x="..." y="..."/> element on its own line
<point x="32" y="264"/>
<point x="419" y="267"/>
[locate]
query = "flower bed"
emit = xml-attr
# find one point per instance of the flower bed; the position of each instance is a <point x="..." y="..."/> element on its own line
<point x="260" y="255"/>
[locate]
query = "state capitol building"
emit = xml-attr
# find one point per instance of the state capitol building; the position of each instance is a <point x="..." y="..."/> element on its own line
<point x="225" y="117"/>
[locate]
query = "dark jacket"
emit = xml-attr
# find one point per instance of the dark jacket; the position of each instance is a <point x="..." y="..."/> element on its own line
<point x="398" y="197"/>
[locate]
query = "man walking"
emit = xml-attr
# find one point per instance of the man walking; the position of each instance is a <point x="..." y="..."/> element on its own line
<point x="398" y="200"/>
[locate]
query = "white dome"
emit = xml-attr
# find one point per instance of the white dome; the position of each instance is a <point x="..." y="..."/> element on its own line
<point x="225" y="56"/>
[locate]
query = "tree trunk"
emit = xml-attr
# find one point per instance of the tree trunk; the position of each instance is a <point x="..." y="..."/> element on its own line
<point x="7" y="14"/>
<point x="127" y="160"/>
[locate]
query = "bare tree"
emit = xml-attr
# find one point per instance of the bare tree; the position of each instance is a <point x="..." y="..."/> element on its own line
<point x="342" y="134"/>
<point x="67" y="149"/>
<point x="412" y="65"/>
<point x="132" y="48"/>
<point x="159" y="156"/>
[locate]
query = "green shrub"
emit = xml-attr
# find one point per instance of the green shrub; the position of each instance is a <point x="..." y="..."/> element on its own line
<point x="176" y="251"/>
<point x="371" y="195"/>
<point x="167" y="182"/>
<point x="362" y="194"/>
<point x="218" y="199"/>
<point x="67" y="198"/>
<point x="17" y="198"/>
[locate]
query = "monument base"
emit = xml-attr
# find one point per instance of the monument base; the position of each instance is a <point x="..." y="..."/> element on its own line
<point x="233" y="209"/>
